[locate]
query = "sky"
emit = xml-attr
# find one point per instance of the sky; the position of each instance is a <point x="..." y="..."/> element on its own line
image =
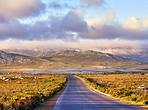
<point x="84" y="24"/>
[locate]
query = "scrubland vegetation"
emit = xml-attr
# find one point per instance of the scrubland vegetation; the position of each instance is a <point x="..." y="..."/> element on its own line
<point x="87" y="59"/>
<point x="26" y="91"/>
<point x="121" y="86"/>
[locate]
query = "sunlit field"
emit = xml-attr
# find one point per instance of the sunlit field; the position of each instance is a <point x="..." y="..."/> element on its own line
<point x="25" y="91"/>
<point x="127" y="87"/>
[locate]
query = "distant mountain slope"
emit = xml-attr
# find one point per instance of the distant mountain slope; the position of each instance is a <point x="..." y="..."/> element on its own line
<point x="22" y="62"/>
<point x="142" y="56"/>
<point x="88" y="58"/>
<point x="11" y="59"/>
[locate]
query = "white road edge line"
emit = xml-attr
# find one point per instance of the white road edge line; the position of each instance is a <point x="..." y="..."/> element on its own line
<point x="100" y="92"/>
<point x="92" y="89"/>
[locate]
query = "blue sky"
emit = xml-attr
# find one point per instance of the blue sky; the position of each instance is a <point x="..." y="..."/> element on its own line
<point x="74" y="22"/>
<point x="128" y="8"/>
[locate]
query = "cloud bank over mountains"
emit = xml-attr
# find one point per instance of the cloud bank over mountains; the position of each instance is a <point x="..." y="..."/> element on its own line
<point x="73" y="26"/>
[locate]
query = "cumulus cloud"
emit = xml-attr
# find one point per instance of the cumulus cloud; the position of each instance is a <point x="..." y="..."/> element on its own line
<point x="56" y="5"/>
<point x="20" y="8"/>
<point x="93" y="2"/>
<point x="102" y="32"/>
<point x="13" y="29"/>
<point x="41" y="30"/>
<point x="134" y="23"/>
<point x="109" y="28"/>
<point x="111" y="32"/>
<point x="73" y="21"/>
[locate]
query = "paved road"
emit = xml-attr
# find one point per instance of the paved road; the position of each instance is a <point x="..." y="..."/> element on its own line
<point x="78" y="96"/>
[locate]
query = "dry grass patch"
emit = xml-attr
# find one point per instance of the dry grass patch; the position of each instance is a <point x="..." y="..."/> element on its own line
<point x="26" y="91"/>
<point x="121" y="86"/>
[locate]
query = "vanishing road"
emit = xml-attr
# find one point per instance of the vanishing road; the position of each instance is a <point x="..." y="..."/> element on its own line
<point x="78" y="96"/>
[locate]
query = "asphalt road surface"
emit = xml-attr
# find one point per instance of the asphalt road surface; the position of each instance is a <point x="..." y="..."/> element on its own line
<point x="78" y="96"/>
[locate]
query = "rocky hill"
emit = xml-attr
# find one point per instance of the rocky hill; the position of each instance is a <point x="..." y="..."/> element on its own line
<point x="88" y="59"/>
<point x="11" y="59"/>
<point x="22" y="62"/>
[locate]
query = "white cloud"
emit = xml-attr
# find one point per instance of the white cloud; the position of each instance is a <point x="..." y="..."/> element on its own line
<point x="93" y="2"/>
<point x="20" y="8"/>
<point x="109" y="28"/>
<point x="95" y="21"/>
<point x="134" y="23"/>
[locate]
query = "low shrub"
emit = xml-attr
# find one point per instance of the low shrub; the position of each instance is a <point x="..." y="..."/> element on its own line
<point x="30" y="92"/>
<point x="120" y="85"/>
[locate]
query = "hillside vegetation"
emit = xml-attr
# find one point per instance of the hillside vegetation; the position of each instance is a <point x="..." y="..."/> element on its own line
<point x="88" y="59"/>
<point x="26" y="91"/>
<point x="122" y="86"/>
<point x="14" y="60"/>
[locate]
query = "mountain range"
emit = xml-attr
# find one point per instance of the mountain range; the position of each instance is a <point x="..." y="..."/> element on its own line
<point x="137" y="54"/>
<point x="67" y="59"/>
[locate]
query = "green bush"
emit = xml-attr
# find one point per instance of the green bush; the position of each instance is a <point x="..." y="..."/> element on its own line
<point x="133" y="98"/>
